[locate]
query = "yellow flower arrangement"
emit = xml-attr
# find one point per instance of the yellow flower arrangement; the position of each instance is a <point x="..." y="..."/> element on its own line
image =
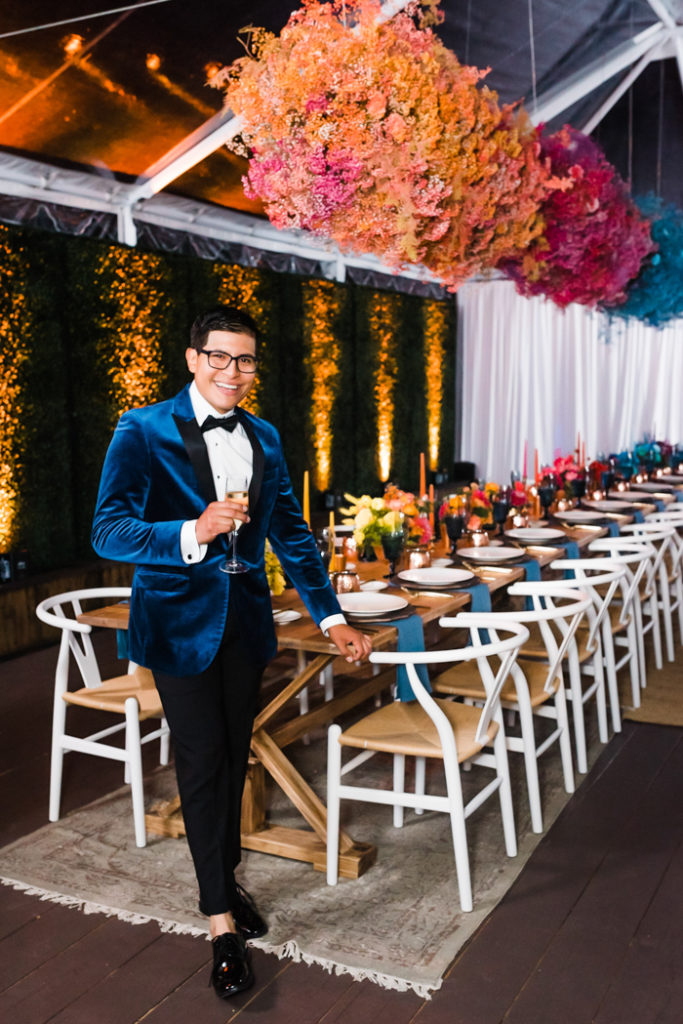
<point x="274" y="573"/>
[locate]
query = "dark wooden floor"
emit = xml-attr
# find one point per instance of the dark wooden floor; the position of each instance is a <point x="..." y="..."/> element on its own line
<point x="592" y="931"/>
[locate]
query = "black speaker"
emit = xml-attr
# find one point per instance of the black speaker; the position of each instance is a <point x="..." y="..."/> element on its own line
<point x="463" y="472"/>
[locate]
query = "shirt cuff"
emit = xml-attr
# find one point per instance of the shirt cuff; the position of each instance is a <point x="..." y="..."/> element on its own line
<point x="332" y="620"/>
<point x="190" y="548"/>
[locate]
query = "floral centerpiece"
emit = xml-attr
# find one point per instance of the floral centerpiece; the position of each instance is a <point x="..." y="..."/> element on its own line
<point x="416" y="514"/>
<point x="372" y="518"/>
<point x="274" y="573"/>
<point x="566" y="475"/>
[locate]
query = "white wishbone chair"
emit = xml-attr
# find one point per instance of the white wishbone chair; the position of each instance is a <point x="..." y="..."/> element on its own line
<point x="667" y="563"/>
<point x="628" y="629"/>
<point x="435" y="728"/>
<point x="533" y="688"/>
<point x="132" y="695"/>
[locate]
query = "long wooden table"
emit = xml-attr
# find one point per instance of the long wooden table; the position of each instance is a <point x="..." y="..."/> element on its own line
<point x="273" y="731"/>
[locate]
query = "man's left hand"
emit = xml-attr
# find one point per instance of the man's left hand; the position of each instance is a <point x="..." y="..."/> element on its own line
<point x="354" y="645"/>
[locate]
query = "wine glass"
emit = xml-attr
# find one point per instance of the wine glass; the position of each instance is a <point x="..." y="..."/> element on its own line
<point x="237" y="489"/>
<point x="546" y="494"/>
<point x="392" y="546"/>
<point x="501" y="507"/>
<point x="454" y="529"/>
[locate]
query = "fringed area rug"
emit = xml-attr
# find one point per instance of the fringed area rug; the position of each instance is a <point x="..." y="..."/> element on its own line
<point x="399" y="925"/>
<point x="662" y="698"/>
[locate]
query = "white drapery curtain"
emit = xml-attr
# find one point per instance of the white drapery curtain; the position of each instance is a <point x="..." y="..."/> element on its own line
<point x="532" y="372"/>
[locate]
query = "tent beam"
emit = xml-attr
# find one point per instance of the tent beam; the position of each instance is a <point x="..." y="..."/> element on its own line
<point x="668" y="16"/>
<point x="576" y="86"/>
<point x="627" y="81"/>
<point x="209" y="137"/>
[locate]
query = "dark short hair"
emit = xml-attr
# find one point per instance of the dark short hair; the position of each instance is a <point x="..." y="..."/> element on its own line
<point x="221" y="318"/>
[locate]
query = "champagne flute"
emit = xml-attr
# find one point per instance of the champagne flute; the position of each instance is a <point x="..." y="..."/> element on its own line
<point x="237" y="489"/>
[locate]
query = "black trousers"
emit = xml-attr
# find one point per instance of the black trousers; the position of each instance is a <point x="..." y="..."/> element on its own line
<point x="210" y="717"/>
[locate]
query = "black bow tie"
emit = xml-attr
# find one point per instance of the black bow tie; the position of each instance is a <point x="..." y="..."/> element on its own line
<point x="228" y="423"/>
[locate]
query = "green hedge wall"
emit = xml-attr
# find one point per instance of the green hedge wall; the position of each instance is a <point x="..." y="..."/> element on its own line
<point x="88" y="329"/>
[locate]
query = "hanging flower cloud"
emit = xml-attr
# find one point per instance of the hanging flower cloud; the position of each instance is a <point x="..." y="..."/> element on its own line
<point x="374" y="135"/>
<point x="656" y="295"/>
<point x="595" y="238"/>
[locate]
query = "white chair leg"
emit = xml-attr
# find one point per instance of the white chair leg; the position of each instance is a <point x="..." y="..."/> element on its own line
<point x="164" y="744"/>
<point x="600" y="698"/>
<point x="656" y="629"/>
<point x="420" y="778"/>
<point x="57" y="758"/>
<point x="505" y="791"/>
<point x="576" y="695"/>
<point x="327" y="682"/>
<point x="333" y="779"/>
<point x="633" y="663"/>
<point x="526" y="723"/>
<point x="666" y="611"/>
<point x="399" y="786"/>
<point x="134" y="755"/>
<point x="611" y="678"/>
<point x="564" y="740"/>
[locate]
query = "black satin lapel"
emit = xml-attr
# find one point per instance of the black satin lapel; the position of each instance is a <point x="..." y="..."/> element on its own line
<point x="198" y="455"/>
<point x="257" y="464"/>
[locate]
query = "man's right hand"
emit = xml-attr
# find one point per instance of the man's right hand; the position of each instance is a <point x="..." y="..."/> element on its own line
<point x="219" y="517"/>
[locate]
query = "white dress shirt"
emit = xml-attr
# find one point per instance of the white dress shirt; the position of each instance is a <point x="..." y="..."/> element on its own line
<point x="231" y="458"/>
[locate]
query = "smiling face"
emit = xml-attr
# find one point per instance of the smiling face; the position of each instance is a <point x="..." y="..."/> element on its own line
<point x="223" y="389"/>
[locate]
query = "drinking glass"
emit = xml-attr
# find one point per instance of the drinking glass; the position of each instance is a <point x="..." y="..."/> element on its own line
<point x="237" y="489"/>
<point x="501" y="508"/>
<point x="546" y="495"/>
<point x="454" y="529"/>
<point x="392" y="546"/>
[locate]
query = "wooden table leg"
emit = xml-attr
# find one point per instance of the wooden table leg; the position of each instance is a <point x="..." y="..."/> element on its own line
<point x="300" y="844"/>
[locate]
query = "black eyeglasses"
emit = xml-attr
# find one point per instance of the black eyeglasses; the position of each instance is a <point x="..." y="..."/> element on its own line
<point x="222" y="360"/>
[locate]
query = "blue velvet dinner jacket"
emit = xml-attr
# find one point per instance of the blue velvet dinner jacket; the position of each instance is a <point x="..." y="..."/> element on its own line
<point x="157" y="475"/>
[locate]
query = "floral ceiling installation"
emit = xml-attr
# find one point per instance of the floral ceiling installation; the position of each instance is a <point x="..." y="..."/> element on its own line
<point x="656" y="296"/>
<point x="375" y="136"/>
<point x="370" y="132"/>
<point x="595" y="238"/>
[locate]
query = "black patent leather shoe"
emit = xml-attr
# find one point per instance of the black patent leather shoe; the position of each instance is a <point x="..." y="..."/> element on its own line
<point x="231" y="972"/>
<point x="246" y="916"/>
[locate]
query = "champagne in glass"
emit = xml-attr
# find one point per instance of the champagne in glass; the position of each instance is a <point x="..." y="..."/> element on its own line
<point x="237" y="489"/>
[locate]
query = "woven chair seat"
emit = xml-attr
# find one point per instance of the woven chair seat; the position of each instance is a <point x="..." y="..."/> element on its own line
<point x="113" y="694"/>
<point x="465" y="681"/>
<point x="404" y="728"/>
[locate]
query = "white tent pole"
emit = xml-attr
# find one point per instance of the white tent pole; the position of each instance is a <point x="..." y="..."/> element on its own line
<point x="663" y="10"/>
<point x="654" y="54"/>
<point x="576" y="86"/>
<point x="206" y="139"/>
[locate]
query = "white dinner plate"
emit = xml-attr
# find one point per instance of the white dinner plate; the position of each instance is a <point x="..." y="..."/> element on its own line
<point x="439" y="563"/>
<point x="286" y="615"/>
<point x="575" y="515"/>
<point x="608" y="506"/>
<point x="369" y="604"/>
<point x="535" y="535"/>
<point x="633" y="495"/>
<point x="436" y="577"/>
<point x="490" y="554"/>
<point x="372" y="586"/>
<point x="664" y="486"/>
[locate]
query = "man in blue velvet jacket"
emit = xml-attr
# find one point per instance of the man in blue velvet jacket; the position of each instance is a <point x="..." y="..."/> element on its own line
<point x="206" y="635"/>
